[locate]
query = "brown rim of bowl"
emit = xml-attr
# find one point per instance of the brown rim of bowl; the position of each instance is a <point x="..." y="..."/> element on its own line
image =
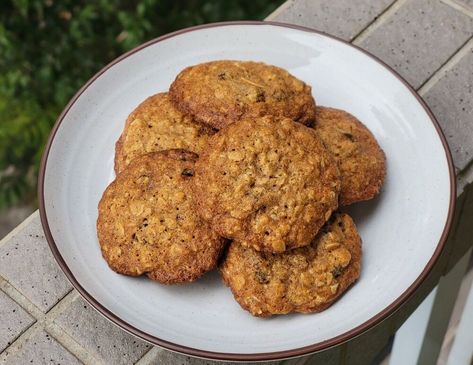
<point x="254" y="356"/>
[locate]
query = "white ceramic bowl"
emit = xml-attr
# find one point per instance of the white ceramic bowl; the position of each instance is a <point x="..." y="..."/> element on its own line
<point x="403" y="230"/>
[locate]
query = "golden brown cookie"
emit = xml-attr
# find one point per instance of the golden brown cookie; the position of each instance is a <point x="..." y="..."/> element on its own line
<point x="222" y="92"/>
<point x="156" y="125"/>
<point x="267" y="182"/>
<point x="147" y="223"/>
<point x="362" y="162"/>
<point x="306" y="279"/>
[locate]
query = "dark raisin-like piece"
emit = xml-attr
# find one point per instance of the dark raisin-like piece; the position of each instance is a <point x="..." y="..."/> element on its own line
<point x="260" y="97"/>
<point x="187" y="172"/>
<point x="349" y="136"/>
<point x="337" y="271"/>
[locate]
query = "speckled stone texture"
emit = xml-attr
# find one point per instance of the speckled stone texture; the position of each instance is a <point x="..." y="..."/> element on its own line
<point x="98" y="336"/>
<point x="344" y="19"/>
<point x="26" y="262"/>
<point x="14" y="320"/>
<point x="10" y="218"/>
<point x="451" y="100"/>
<point x="418" y="38"/>
<point x="42" y="349"/>
<point x="468" y="3"/>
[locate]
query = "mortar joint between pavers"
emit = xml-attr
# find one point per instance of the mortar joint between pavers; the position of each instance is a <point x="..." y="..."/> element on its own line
<point x="61" y="306"/>
<point x="149" y="357"/>
<point x="46" y="323"/>
<point x="70" y="344"/>
<point x="462" y="8"/>
<point x="41" y="319"/>
<point x="20" y="299"/>
<point x="454" y="58"/>
<point x="379" y="20"/>
<point x="17" y="344"/>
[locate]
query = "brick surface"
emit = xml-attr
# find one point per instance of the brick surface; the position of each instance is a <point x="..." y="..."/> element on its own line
<point x="27" y="263"/>
<point x="14" y="320"/>
<point x="100" y="337"/>
<point x="451" y="100"/>
<point x="42" y="349"/>
<point x="419" y="37"/>
<point x="344" y="19"/>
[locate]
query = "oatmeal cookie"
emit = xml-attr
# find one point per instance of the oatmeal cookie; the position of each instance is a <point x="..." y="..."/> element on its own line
<point x="307" y="279"/>
<point x="222" y="92"/>
<point x="361" y="160"/>
<point x="156" y="125"/>
<point x="267" y="182"/>
<point x="147" y="223"/>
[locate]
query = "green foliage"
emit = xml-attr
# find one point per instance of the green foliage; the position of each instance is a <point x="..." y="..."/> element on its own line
<point x="49" y="48"/>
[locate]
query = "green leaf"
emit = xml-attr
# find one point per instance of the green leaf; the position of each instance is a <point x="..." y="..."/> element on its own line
<point x="49" y="48"/>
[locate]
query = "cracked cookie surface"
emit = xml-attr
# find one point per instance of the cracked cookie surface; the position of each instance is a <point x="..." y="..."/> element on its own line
<point x="222" y="92"/>
<point x="361" y="160"/>
<point x="156" y="125"/>
<point x="267" y="182"/>
<point x="147" y="223"/>
<point x="307" y="279"/>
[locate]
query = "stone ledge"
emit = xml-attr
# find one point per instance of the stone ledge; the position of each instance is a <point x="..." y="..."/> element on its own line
<point x="42" y="349"/>
<point x="27" y="252"/>
<point x="98" y="336"/>
<point x="451" y="100"/>
<point x="337" y="17"/>
<point x="14" y="321"/>
<point x="419" y="38"/>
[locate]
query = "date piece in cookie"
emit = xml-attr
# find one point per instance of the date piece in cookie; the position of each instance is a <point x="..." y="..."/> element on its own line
<point x="307" y="279"/>
<point x="147" y="222"/>
<point x="361" y="161"/>
<point x="156" y="125"/>
<point x="269" y="183"/>
<point x="222" y="92"/>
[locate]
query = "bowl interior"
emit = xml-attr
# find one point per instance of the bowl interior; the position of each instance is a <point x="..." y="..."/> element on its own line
<point x="400" y="229"/>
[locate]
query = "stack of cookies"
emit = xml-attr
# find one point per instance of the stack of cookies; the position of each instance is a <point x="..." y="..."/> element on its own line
<point x="237" y="167"/>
